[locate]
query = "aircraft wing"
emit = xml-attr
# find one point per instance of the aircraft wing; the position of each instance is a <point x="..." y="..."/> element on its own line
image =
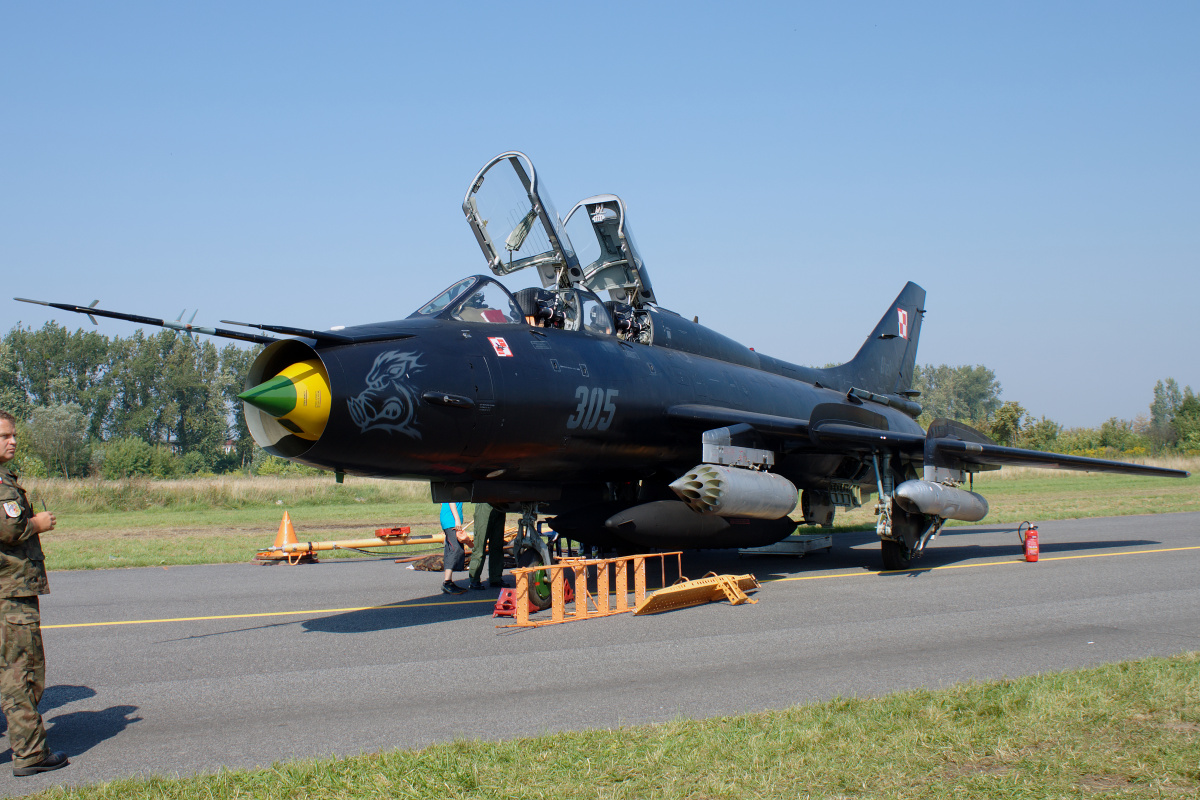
<point x="998" y="455"/>
<point x="963" y="451"/>
<point x="718" y="416"/>
<point x="964" y="448"/>
<point x="857" y="437"/>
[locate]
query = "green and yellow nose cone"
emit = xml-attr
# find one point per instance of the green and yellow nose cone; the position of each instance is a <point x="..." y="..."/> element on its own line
<point x="298" y="397"/>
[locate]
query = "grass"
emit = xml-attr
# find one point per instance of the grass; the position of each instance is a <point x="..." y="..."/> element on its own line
<point x="1128" y="730"/>
<point x="1023" y="493"/>
<point x="1124" y="730"/>
<point x="224" y="520"/>
<point x="137" y="523"/>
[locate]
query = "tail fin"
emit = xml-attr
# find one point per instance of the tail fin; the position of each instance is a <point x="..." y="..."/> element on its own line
<point x="884" y="363"/>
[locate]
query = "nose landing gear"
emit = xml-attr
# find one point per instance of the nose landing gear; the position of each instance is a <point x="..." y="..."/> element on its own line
<point x="531" y="548"/>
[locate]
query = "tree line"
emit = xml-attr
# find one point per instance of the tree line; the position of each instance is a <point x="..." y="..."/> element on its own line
<point x="162" y="404"/>
<point x="166" y="405"/>
<point x="971" y="394"/>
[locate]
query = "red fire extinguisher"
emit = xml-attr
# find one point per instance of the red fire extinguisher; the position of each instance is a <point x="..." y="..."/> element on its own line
<point x="1029" y="537"/>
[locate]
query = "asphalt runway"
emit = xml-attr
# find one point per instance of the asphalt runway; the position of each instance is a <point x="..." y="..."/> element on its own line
<point x="190" y="669"/>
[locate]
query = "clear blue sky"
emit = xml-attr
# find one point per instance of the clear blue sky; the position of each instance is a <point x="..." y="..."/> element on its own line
<point x="1035" y="166"/>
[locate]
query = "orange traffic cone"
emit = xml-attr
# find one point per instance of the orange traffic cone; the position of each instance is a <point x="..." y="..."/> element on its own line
<point x="286" y="535"/>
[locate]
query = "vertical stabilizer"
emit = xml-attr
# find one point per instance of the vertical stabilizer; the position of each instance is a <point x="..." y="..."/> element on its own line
<point x="884" y="363"/>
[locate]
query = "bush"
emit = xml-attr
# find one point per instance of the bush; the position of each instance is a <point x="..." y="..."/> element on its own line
<point x="132" y="457"/>
<point x="193" y="464"/>
<point x="29" y="466"/>
<point x="125" y="458"/>
<point x="273" y="465"/>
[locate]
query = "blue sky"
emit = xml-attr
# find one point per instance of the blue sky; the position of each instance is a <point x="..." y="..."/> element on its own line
<point x="787" y="167"/>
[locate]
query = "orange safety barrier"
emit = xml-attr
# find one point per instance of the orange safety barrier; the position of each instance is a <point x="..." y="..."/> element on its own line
<point x="612" y="587"/>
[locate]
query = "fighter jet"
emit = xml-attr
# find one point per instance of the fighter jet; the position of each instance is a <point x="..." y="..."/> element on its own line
<point x="583" y="402"/>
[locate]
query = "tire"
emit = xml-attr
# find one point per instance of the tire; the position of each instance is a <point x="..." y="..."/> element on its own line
<point x="896" y="556"/>
<point x="539" y="582"/>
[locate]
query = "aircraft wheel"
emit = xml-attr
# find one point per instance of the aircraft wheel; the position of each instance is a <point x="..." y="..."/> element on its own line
<point x="896" y="556"/>
<point x="539" y="582"/>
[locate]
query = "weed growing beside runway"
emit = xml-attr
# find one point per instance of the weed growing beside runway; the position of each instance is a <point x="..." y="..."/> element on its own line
<point x="1131" y="728"/>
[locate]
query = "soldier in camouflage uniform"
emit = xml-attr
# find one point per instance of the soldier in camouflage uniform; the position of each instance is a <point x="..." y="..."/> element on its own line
<point x="22" y="579"/>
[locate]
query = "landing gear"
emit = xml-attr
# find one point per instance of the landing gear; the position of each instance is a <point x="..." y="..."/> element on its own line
<point x="909" y="533"/>
<point x="539" y="583"/>
<point x="531" y="549"/>
<point x="896" y="555"/>
<point x="902" y="535"/>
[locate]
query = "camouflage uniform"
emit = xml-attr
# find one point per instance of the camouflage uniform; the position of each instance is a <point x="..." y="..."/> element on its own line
<point x="23" y="664"/>
<point x="489" y="533"/>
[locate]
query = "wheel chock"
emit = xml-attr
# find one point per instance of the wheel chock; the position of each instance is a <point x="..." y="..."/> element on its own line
<point x="506" y="604"/>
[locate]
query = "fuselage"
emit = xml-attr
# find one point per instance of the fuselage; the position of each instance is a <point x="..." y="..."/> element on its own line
<point x="477" y="401"/>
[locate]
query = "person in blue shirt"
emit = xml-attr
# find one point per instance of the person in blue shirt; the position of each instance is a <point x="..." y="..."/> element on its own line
<point x="454" y="558"/>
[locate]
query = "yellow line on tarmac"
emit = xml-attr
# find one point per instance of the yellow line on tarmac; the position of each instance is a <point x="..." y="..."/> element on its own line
<point x="486" y="600"/>
<point x="266" y="614"/>
<point x="984" y="564"/>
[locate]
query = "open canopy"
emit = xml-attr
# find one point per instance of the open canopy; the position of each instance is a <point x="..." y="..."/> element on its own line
<point x="517" y="227"/>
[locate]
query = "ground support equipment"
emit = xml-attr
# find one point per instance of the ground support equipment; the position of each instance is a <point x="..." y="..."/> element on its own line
<point x="709" y="589"/>
<point x="612" y="587"/>
<point x="795" y="545"/>
<point x="286" y="548"/>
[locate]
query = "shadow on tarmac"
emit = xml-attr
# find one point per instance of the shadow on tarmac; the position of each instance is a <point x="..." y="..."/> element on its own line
<point x="859" y="550"/>
<point x="79" y="731"/>
<point x="408" y="613"/>
<point x="76" y="731"/>
<point x="851" y="550"/>
<point x="53" y="697"/>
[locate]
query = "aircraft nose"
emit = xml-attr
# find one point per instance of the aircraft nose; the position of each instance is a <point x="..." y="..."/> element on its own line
<point x="297" y="397"/>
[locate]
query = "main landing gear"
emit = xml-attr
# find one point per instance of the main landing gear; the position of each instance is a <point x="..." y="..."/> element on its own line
<point x="902" y="534"/>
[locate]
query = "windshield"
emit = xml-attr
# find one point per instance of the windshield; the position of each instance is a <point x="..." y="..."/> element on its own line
<point x="595" y="315"/>
<point x="444" y="299"/>
<point x="489" y="303"/>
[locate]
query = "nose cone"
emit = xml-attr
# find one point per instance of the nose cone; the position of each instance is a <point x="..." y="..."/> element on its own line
<point x="298" y="398"/>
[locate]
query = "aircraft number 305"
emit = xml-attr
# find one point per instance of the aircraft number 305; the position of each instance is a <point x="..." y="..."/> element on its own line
<point x="595" y="410"/>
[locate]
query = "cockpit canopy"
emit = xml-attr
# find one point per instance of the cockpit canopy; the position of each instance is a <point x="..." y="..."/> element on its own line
<point x="609" y="258"/>
<point x="474" y="299"/>
<point x="515" y="205"/>
<point x="482" y="299"/>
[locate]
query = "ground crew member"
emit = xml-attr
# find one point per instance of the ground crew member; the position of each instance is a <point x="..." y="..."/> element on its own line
<point x="453" y="555"/>
<point x="22" y="579"/>
<point x="489" y="533"/>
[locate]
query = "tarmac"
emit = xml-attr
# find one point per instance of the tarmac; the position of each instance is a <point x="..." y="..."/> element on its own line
<point x="192" y="669"/>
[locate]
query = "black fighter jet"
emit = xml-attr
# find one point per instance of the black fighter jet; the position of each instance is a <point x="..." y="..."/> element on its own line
<point x="625" y="424"/>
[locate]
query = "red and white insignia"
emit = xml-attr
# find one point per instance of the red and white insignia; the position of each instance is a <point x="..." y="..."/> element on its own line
<point x="903" y="322"/>
<point x="12" y="509"/>
<point x="501" y="347"/>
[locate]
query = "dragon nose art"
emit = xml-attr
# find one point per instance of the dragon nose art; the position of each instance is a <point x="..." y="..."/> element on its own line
<point x="297" y="397"/>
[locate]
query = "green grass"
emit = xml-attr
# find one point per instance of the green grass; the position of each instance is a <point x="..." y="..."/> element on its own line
<point x="1123" y="730"/>
<point x="223" y="520"/>
<point x="1016" y="494"/>
<point x="139" y="523"/>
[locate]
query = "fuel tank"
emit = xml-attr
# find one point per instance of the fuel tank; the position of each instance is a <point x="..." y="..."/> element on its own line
<point x="672" y="524"/>
<point x="668" y="524"/>
<point x="712" y="489"/>
<point x="937" y="500"/>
